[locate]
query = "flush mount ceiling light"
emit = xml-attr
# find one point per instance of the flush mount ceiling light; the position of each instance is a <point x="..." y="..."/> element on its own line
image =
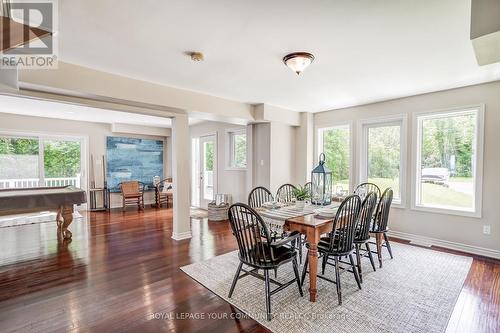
<point x="298" y="61"/>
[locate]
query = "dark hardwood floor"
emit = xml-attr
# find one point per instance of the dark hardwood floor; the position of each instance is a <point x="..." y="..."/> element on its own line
<point x="121" y="274"/>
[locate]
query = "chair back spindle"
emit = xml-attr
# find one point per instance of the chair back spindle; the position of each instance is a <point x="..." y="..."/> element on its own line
<point x="344" y="225"/>
<point x="259" y="196"/>
<point x="285" y="193"/>
<point x="382" y="212"/>
<point x="366" y="216"/>
<point x="251" y="235"/>
<point x="364" y="188"/>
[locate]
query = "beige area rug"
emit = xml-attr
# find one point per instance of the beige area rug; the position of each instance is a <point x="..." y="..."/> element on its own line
<point x="198" y="213"/>
<point x="414" y="292"/>
<point x="32" y="218"/>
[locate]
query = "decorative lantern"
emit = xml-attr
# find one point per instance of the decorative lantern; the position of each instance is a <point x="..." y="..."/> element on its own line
<point x="321" y="179"/>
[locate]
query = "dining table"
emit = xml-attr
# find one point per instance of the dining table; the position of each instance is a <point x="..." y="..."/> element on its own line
<point x="308" y="223"/>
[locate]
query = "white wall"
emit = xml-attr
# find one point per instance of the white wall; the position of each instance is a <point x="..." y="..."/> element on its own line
<point x="282" y="155"/>
<point x="228" y="181"/>
<point x="95" y="132"/>
<point x="454" y="229"/>
<point x="261" y="155"/>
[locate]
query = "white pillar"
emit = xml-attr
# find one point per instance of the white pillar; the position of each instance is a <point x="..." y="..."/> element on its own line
<point x="180" y="174"/>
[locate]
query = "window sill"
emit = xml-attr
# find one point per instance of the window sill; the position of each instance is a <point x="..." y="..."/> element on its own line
<point x="446" y="211"/>
<point x="235" y="169"/>
<point x="398" y="205"/>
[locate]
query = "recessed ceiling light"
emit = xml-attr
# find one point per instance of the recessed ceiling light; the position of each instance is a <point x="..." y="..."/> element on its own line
<point x="298" y="61"/>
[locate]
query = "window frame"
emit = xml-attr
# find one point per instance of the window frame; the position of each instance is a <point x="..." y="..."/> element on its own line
<point x="230" y="149"/>
<point x="479" y="159"/>
<point x="363" y="126"/>
<point x="43" y="136"/>
<point x="319" y="147"/>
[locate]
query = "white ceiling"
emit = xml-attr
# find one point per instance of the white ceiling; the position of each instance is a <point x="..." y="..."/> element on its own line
<point x="49" y="109"/>
<point x="365" y="50"/>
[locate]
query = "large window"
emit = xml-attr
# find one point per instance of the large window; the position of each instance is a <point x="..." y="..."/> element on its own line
<point x="237" y="149"/>
<point x="33" y="161"/>
<point x="447" y="159"/>
<point x="334" y="142"/>
<point x="383" y="156"/>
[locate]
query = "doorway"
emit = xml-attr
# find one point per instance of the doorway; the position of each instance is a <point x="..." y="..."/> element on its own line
<point x="204" y="170"/>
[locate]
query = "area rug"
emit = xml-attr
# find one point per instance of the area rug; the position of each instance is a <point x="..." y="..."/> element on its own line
<point x="32" y="218"/>
<point x="414" y="292"/>
<point x="198" y="213"/>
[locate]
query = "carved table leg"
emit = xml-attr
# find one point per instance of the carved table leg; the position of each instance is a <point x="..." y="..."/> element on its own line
<point x="64" y="219"/>
<point x="313" y="239"/>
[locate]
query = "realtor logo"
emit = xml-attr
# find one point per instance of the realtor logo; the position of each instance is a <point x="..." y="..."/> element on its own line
<point x="29" y="39"/>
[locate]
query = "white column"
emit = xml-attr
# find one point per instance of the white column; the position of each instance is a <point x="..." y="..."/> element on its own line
<point x="180" y="174"/>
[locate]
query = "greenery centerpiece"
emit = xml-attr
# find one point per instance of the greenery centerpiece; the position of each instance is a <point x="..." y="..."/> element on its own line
<point x="301" y="194"/>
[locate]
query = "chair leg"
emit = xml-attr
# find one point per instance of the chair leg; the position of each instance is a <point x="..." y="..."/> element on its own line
<point x="337" y="280"/>
<point x="370" y="256"/>
<point x="299" y="244"/>
<point x="388" y="245"/>
<point x="268" y="294"/>
<point x="297" y="277"/>
<point x="235" y="279"/>
<point x="323" y="264"/>
<point x="358" y="261"/>
<point x="355" y="271"/>
<point x="304" y="269"/>
<point x="379" y="249"/>
<point x="275" y="273"/>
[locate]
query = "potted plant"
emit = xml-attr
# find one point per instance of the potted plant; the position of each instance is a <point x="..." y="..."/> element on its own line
<point x="301" y="194"/>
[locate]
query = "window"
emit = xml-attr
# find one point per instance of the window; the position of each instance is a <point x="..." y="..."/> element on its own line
<point x="32" y="161"/>
<point x="237" y="149"/>
<point x="335" y="143"/>
<point x="383" y="156"/>
<point x="448" y="154"/>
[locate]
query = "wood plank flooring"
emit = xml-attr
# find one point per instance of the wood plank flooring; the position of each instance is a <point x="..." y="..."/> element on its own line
<point x="121" y="274"/>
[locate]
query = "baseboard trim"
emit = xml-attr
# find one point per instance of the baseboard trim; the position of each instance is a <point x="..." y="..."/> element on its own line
<point x="181" y="235"/>
<point x="428" y="241"/>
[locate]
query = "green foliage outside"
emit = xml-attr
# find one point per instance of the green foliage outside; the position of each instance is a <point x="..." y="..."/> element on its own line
<point x="336" y="150"/>
<point x="209" y="156"/>
<point x="61" y="158"/>
<point x="240" y="150"/>
<point x="384" y="152"/>
<point x="447" y="139"/>
<point x="12" y="146"/>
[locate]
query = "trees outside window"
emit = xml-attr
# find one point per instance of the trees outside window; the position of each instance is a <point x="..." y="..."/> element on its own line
<point x="447" y="159"/>
<point x="237" y="149"/>
<point x="335" y="143"/>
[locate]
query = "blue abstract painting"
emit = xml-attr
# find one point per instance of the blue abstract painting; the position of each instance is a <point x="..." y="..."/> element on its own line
<point x="133" y="159"/>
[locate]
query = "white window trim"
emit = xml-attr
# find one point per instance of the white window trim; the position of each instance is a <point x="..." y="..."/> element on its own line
<point x="229" y="148"/>
<point x="478" y="172"/>
<point x="318" y="147"/>
<point x="363" y="125"/>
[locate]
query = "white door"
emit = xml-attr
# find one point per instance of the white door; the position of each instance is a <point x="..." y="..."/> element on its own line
<point x="208" y="169"/>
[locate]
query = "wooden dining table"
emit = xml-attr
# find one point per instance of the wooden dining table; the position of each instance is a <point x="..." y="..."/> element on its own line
<point x="313" y="227"/>
<point x="308" y="223"/>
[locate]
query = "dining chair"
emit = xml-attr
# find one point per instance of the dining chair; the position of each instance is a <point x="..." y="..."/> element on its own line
<point x="379" y="227"/>
<point x="285" y="193"/>
<point x="163" y="192"/>
<point x="132" y="194"/>
<point x="339" y="243"/>
<point x="362" y="235"/>
<point x="364" y="188"/>
<point x="259" y="252"/>
<point x="259" y="196"/>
